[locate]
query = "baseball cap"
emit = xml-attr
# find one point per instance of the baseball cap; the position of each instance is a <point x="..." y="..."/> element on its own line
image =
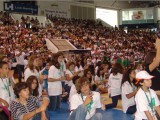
<point x="143" y="75"/>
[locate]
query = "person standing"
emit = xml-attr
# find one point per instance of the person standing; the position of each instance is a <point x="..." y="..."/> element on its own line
<point x="20" y="63"/>
<point x="54" y="83"/>
<point x="114" y="85"/>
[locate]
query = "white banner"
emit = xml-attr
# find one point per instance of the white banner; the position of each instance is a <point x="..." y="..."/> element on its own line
<point x="57" y="13"/>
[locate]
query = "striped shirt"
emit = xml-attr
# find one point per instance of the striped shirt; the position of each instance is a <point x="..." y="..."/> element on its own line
<point x="18" y="110"/>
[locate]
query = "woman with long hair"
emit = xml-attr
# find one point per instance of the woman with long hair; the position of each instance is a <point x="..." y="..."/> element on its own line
<point x="54" y="83"/>
<point x="32" y="70"/>
<point x="100" y="81"/>
<point x="88" y="74"/>
<point x="99" y="78"/>
<point x="70" y="73"/>
<point x="32" y="67"/>
<point x="33" y="85"/>
<point x="128" y="92"/>
<point x="152" y="66"/>
<point x="114" y="85"/>
<point x="79" y="68"/>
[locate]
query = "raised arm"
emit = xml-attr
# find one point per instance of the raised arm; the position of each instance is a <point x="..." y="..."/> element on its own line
<point x="156" y="61"/>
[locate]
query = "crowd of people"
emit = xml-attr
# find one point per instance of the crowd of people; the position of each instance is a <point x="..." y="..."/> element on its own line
<point x="119" y="63"/>
<point x="116" y="43"/>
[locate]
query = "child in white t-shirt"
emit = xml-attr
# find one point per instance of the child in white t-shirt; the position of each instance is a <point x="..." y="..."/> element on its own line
<point x="128" y="92"/>
<point x="70" y="73"/>
<point x="55" y="79"/>
<point x="100" y="81"/>
<point x="6" y="89"/>
<point x="114" y="85"/>
<point x="84" y="104"/>
<point x="73" y="87"/>
<point x="147" y="102"/>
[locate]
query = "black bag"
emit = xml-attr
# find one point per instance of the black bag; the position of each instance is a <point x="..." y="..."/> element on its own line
<point x="3" y="116"/>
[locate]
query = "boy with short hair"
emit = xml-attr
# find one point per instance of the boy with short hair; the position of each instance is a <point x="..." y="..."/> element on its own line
<point x="147" y="102"/>
<point x="83" y="105"/>
<point x="6" y="90"/>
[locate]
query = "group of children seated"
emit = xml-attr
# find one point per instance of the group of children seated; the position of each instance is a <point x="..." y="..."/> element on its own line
<point x="79" y="80"/>
<point x="41" y="91"/>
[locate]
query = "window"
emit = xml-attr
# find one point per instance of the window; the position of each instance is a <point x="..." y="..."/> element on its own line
<point x="107" y="15"/>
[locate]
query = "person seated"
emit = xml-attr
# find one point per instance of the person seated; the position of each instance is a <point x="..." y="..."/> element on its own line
<point x="100" y="81"/>
<point x="73" y="87"/>
<point x="84" y="104"/>
<point x="129" y="91"/>
<point x="27" y="107"/>
<point x="33" y="85"/>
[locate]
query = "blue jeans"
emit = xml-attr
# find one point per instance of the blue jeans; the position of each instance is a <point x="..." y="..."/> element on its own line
<point x="45" y="87"/>
<point x="114" y="102"/>
<point x="81" y="112"/>
<point x="131" y="109"/>
<point x="55" y="102"/>
<point x="67" y="89"/>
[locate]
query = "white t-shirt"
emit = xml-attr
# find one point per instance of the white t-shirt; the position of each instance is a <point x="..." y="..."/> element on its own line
<point x="94" y="60"/>
<point x="28" y="73"/>
<point x="72" y="91"/>
<point x="25" y="63"/>
<point x="76" y="100"/>
<point x="20" y="59"/>
<point x="4" y="93"/>
<point x="89" y="61"/>
<point x="114" y="83"/>
<point x="96" y="69"/>
<point x="99" y="79"/>
<point x="142" y="103"/>
<point x="69" y="83"/>
<point x="137" y="71"/>
<point x="126" y="89"/>
<point x="54" y="88"/>
<point x="78" y="69"/>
